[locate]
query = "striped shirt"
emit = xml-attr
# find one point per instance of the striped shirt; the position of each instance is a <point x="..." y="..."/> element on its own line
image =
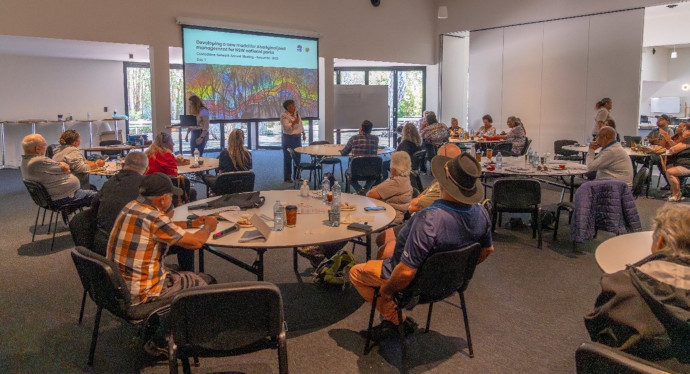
<point x="361" y="145"/>
<point x="137" y="244"/>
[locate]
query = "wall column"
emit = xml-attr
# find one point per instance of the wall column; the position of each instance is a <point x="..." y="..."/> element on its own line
<point x="160" y="87"/>
<point x="328" y="117"/>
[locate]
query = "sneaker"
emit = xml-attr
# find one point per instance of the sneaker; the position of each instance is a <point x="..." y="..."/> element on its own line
<point x="409" y="326"/>
<point x="385" y="330"/>
<point x="155" y="350"/>
<point x="676" y="199"/>
<point x="313" y="253"/>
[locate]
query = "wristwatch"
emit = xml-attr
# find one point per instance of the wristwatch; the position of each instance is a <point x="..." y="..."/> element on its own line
<point x="190" y="223"/>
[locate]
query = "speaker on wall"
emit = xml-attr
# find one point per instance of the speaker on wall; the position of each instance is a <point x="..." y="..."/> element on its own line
<point x="375" y="2"/>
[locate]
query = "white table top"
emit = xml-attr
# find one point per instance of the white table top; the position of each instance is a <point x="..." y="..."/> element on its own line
<point x="585" y="149"/>
<point x="517" y="166"/>
<point x="331" y="150"/>
<point x="475" y="140"/>
<point x="114" y="147"/>
<point x="614" y="254"/>
<point x="209" y="164"/>
<point x="310" y="227"/>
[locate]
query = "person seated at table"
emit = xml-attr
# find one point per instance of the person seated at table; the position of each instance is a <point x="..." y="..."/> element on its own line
<point x="362" y="144"/>
<point x="663" y="124"/>
<point x="62" y="186"/>
<point x="410" y="139"/>
<point x="455" y="129"/>
<point x="487" y="128"/>
<point x="435" y="133"/>
<point x="516" y="135"/>
<point x="116" y="192"/>
<point x="678" y="164"/>
<point x="453" y="221"/>
<point x="138" y="241"/>
<point x="396" y="190"/>
<point x="422" y="121"/>
<point x="644" y="309"/>
<point x="162" y="160"/>
<point x="69" y="153"/>
<point x="670" y="141"/>
<point x="235" y="158"/>
<point x="612" y="162"/>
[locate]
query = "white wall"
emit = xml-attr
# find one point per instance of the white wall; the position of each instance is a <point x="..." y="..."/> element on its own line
<point x="454" y="68"/>
<point x="550" y="74"/>
<point x="677" y="74"/>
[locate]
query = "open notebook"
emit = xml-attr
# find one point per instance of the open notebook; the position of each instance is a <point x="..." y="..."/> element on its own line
<point x="261" y="233"/>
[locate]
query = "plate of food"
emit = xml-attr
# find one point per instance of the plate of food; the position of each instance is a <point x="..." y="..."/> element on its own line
<point x="243" y="222"/>
<point x="345" y="206"/>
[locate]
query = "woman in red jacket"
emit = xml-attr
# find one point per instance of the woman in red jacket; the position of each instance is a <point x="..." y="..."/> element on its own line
<point x="161" y="158"/>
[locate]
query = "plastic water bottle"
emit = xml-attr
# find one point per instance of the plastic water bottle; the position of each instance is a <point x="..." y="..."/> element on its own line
<point x="196" y="157"/>
<point x="535" y="161"/>
<point x="335" y="206"/>
<point x="325" y="187"/>
<point x="499" y="161"/>
<point x="528" y="157"/>
<point x="278" y="216"/>
<point x="304" y="190"/>
<point x="118" y="163"/>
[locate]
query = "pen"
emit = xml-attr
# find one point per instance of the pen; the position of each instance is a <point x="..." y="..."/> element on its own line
<point x="227" y="231"/>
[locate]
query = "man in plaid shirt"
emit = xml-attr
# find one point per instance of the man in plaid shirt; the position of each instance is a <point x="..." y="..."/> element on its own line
<point x="362" y="144"/>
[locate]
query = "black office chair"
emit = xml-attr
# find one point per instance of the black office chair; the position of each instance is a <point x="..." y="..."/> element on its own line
<point x="563" y="154"/>
<point x="83" y="229"/>
<point x="416" y="182"/>
<point x="506" y="149"/>
<point x="528" y="142"/>
<point x="329" y="160"/>
<point x="42" y="198"/>
<point x="630" y="139"/>
<point x="50" y="150"/>
<point x="363" y="169"/>
<point x="644" y="119"/>
<point x="441" y="275"/>
<point x="188" y="193"/>
<point x="641" y="178"/>
<point x="226" y="319"/>
<point x="516" y="195"/>
<point x="418" y="160"/>
<point x="111" y="154"/>
<point x="104" y="283"/>
<point x="299" y="167"/>
<point x="596" y="358"/>
<point x="234" y="182"/>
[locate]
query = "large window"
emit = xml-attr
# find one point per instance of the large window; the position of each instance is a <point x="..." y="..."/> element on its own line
<point x="406" y="95"/>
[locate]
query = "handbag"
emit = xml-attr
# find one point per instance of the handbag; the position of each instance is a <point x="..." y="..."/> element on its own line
<point x="243" y="200"/>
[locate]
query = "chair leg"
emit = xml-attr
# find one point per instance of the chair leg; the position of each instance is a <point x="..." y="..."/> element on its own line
<point x="539" y="228"/>
<point x="294" y="260"/>
<point x="52" y="244"/>
<point x="94" y="336"/>
<point x="81" y="311"/>
<point x="282" y="354"/>
<point x="36" y="223"/>
<point x="494" y="215"/>
<point x="371" y="321"/>
<point x="50" y="222"/>
<point x="43" y="220"/>
<point x="403" y="341"/>
<point x="467" y="323"/>
<point x="186" y="369"/>
<point x="428" y="318"/>
<point x="555" y="225"/>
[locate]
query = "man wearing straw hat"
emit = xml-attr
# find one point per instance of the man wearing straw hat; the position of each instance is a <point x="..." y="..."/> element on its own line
<point x="453" y="221"/>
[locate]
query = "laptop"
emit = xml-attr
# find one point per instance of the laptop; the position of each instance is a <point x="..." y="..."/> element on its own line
<point x="187" y="120"/>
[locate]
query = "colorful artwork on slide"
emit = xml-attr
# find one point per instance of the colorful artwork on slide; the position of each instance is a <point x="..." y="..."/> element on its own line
<point x="248" y="92"/>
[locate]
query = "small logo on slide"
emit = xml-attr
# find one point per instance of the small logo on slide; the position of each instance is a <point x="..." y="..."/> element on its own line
<point x="306" y="49"/>
<point x="299" y="48"/>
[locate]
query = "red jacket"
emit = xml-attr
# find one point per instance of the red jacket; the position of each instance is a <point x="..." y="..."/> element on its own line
<point x="164" y="162"/>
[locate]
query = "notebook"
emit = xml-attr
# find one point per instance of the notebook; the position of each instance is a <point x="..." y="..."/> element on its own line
<point x="187" y="120"/>
<point x="262" y="230"/>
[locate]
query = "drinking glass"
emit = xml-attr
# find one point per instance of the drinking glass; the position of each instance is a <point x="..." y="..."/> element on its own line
<point x="489" y="153"/>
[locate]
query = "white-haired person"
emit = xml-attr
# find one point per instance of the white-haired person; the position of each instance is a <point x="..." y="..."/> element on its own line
<point x="644" y="310"/>
<point x="396" y="190"/>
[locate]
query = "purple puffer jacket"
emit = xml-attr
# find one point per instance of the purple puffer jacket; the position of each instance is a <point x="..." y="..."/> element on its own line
<point x="604" y="205"/>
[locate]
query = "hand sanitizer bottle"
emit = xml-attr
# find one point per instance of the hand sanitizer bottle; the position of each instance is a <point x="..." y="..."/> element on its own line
<point x="278" y="216"/>
<point x="304" y="190"/>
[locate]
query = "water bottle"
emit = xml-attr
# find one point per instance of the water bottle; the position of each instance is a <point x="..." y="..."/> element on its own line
<point x="118" y="163"/>
<point x="196" y="157"/>
<point x="535" y="161"/>
<point x="335" y="206"/>
<point x="325" y="187"/>
<point x="528" y="157"/>
<point x="278" y="216"/>
<point x="499" y="161"/>
<point x="304" y="190"/>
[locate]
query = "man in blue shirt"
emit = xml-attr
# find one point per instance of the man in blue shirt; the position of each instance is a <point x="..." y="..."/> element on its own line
<point x="453" y="221"/>
<point x="362" y="144"/>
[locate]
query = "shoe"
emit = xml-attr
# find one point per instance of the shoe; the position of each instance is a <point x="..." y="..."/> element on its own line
<point x="409" y="326"/>
<point x="313" y="253"/>
<point x="288" y="181"/>
<point x="676" y="199"/>
<point x="155" y="350"/>
<point x="383" y="331"/>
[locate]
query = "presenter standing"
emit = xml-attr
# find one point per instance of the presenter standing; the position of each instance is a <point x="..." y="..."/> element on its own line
<point x="292" y="129"/>
<point x="200" y="133"/>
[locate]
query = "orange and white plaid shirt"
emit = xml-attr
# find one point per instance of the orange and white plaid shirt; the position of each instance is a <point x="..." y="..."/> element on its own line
<point x="137" y="244"/>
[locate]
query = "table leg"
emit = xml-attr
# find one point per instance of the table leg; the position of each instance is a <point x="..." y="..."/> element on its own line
<point x="294" y="260"/>
<point x="116" y="134"/>
<point x="201" y="259"/>
<point x="90" y="133"/>
<point x="368" y="246"/>
<point x="259" y="265"/>
<point x="572" y="187"/>
<point x="2" y="143"/>
<point x="179" y="139"/>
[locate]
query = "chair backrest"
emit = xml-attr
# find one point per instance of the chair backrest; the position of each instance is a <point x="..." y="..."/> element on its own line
<point x="516" y="193"/>
<point x="418" y="159"/>
<point x="595" y="358"/>
<point x="102" y="279"/>
<point x="416" y="181"/>
<point x="528" y="142"/>
<point x="559" y="144"/>
<point x="296" y="157"/>
<point x="639" y="181"/>
<point x="442" y="274"/>
<point x="50" y="150"/>
<point x="226" y="317"/>
<point x="506" y="149"/>
<point x="630" y="139"/>
<point x="182" y="182"/>
<point x="320" y="142"/>
<point x="366" y="167"/>
<point x="39" y="194"/>
<point x="234" y="182"/>
<point x="83" y="228"/>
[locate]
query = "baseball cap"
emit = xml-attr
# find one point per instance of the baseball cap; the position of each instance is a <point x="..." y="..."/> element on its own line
<point x="158" y="184"/>
<point x="665" y="116"/>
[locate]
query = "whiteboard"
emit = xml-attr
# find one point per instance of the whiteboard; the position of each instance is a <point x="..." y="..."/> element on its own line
<point x="669" y="104"/>
<point x="353" y="104"/>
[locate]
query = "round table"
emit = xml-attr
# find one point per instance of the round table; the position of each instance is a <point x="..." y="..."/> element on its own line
<point x="584" y="149"/>
<point x="310" y="228"/>
<point x="332" y="150"/>
<point x="110" y="167"/>
<point x="616" y="253"/>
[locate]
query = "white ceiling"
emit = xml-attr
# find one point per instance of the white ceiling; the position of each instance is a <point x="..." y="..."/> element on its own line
<point x="62" y="48"/>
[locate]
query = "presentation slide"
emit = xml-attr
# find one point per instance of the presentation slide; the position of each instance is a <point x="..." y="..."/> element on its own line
<point x="247" y="76"/>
